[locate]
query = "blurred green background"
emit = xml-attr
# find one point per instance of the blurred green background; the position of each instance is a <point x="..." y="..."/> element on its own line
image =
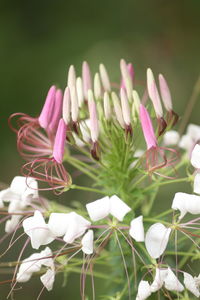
<point x="40" y="39"/>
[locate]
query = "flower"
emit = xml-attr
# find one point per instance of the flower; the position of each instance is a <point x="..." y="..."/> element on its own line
<point x="192" y="284"/>
<point x="51" y="170"/>
<point x="34" y="263"/>
<point x="156" y="239"/>
<point x="155" y="155"/>
<point x="101" y="208"/>
<point x="70" y="225"/>
<point x="186" y="203"/>
<point x="19" y="195"/>
<point x="189" y="140"/>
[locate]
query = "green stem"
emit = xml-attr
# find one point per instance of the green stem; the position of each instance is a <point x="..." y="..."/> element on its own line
<point x="87" y="189"/>
<point x="82" y="168"/>
<point x="185" y="179"/>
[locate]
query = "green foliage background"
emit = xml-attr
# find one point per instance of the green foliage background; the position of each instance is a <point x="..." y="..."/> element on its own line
<point x="39" y="39"/>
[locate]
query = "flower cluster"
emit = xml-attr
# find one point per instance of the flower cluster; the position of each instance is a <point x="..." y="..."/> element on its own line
<point x="99" y="128"/>
<point x="87" y="115"/>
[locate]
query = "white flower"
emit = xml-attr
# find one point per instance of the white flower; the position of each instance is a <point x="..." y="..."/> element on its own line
<point x="197" y="183"/>
<point x="36" y="228"/>
<point x="195" y="157"/>
<point x="156" y="239"/>
<point x="21" y="188"/>
<point x="159" y="279"/>
<point x="76" y="227"/>
<point x="33" y="264"/>
<point x="137" y="229"/>
<point x="171" y="137"/>
<point x="192" y="284"/>
<point x="172" y="283"/>
<point x="87" y="242"/>
<point x="101" y="208"/>
<point x="19" y="195"/>
<point x="191" y="137"/>
<point x="186" y="203"/>
<point x="28" y="267"/>
<point x="144" y="290"/>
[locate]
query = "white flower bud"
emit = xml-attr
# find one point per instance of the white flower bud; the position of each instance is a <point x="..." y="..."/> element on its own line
<point x="71" y="81"/>
<point x="107" y="106"/>
<point x="97" y="87"/>
<point x="79" y="88"/>
<point x="126" y="78"/>
<point x="104" y="78"/>
<point x="118" y="110"/>
<point x="74" y="104"/>
<point x="125" y="107"/>
<point x="66" y="113"/>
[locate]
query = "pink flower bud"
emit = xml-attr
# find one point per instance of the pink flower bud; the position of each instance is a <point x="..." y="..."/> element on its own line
<point x="59" y="144"/>
<point x="147" y="128"/>
<point x="47" y="110"/>
<point x="57" y="111"/>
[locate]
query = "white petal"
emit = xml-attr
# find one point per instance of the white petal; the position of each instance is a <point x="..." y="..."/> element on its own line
<point x="31" y="190"/>
<point x="156" y="239"/>
<point x="195" y="157"/>
<point x="48" y="279"/>
<point x="194" y="132"/>
<point x="46" y="257"/>
<point x="36" y="228"/>
<point x="197" y="183"/>
<point x="171" y="137"/>
<point x="58" y="223"/>
<point x="12" y="223"/>
<point x="99" y="209"/>
<point x="137" y="229"/>
<point x="118" y="208"/>
<point x="144" y="290"/>
<point x="186" y="142"/>
<point x="24" y="185"/>
<point x="7" y="195"/>
<point x="191" y="284"/>
<point x="186" y="203"/>
<point x="77" y="226"/>
<point x="87" y="242"/>
<point x="172" y="283"/>
<point x="28" y="267"/>
<point x="159" y="279"/>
